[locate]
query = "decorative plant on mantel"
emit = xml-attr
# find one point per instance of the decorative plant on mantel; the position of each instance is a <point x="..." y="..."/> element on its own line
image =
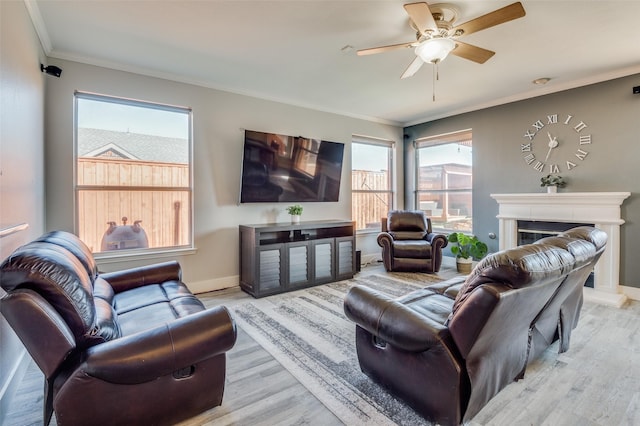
<point x="466" y="248"/>
<point x="553" y="180"/>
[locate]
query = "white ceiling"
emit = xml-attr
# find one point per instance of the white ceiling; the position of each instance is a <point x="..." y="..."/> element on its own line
<point x="292" y="51"/>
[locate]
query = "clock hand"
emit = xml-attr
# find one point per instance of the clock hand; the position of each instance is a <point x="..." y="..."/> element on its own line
<point x="553" y="142"/>
<point x="548" y="152"/>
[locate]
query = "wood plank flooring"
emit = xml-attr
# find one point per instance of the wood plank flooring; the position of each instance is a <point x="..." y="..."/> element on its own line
<point x="596" y="383"/>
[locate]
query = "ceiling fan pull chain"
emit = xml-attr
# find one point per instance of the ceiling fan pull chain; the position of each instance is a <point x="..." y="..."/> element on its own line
<point x="435" y="77"/>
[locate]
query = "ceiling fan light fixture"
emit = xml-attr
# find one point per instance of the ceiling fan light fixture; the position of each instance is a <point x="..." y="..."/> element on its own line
<point x="435" y="50"/>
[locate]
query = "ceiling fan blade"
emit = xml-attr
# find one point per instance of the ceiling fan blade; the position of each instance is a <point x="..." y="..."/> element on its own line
<point x="471" y="52"/>
<point x="497" y="17"/>
<point x="381" y="49"/>
<point x="413" y="67"/>
<point x="421" y="15"/>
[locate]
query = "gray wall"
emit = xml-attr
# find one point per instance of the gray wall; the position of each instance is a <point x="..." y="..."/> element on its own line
<point x="219" y="119"/>
<point x="21" y="161"/>
<point x="613" y="115"/>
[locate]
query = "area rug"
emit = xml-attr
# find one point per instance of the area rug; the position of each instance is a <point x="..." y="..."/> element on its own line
<point x="309" y="334"/>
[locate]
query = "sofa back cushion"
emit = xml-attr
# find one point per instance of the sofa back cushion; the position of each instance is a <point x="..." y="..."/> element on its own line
<point x="62" y="280"/>
<point x="76" y="246"/>
<point x="407" y="221"/>
<point x="595" y="236"/>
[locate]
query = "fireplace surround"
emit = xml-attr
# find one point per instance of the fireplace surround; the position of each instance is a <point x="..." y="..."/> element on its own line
<point x="602" y="209"/>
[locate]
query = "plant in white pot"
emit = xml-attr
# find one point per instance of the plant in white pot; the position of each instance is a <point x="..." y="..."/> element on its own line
<point x="295" y="211"/>
<point x="466" y="248"/>
<point x="552" y="182"/>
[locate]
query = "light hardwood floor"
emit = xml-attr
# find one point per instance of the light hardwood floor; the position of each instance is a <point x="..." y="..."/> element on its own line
<point x="596" y="383"/>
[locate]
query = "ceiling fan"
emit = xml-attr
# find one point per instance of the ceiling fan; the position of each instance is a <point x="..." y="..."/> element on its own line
<point x="437" y="33"/>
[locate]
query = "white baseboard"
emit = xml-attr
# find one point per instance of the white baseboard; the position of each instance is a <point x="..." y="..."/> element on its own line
<point x="631" y="292"/>
<point x="9" y="388"/>
<point x="214" y="284"/>
<point x="368" y="259"/>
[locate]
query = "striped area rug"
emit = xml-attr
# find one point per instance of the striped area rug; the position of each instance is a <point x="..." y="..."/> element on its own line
<point x="308" y="333"/>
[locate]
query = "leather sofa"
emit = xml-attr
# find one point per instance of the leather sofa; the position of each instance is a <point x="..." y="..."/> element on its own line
<point x="448" y="348"/>
<point x="408" y="242"/>
<point x="127" y="347"/>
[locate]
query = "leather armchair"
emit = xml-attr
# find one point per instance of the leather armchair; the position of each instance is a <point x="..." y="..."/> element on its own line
<point x="409" y="244"/>
<point x="128" y="347"/>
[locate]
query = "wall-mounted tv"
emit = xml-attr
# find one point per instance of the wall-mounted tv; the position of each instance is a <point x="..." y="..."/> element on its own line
<point x="280" y="168"/>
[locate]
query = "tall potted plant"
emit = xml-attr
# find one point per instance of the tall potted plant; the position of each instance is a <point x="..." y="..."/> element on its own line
<point x="466" y="248"/>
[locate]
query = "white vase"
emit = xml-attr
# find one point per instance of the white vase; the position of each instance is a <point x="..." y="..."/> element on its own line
<point x="552" y="189"/>
<point x="295" y="218"/>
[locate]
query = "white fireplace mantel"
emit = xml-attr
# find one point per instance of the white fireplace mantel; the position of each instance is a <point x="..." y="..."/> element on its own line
<point x="599" y="208"/>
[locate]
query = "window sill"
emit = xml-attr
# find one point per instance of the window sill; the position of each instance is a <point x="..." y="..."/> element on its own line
<point x="117" y="257"/>
<point x="368" y="231"/>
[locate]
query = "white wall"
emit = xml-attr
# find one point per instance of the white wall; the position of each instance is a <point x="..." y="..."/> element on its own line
<point x="219" y="120"/>
<point x="21" y="161"/>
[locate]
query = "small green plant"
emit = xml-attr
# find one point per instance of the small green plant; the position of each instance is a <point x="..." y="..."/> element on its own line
<point x="295" y="210"/>
<point x="553" y="180"/>
<point x="467" y="246"/>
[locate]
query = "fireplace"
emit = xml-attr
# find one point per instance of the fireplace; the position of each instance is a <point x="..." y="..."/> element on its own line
<point x="602" y="209"/>
<point x="530" y="231"/>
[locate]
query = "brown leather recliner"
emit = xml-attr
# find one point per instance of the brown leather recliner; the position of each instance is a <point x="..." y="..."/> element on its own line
<point x="409" y="244"/>
<point x="447" y="349"/>
<point x="128" y="347"/>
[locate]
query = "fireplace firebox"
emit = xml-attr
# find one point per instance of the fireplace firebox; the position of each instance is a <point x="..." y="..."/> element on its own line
<point x="530" y="231"/>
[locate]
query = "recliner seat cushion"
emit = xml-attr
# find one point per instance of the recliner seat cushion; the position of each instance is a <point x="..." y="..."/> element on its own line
<point x="412" y="249"/>
<point x="146" y="307"/>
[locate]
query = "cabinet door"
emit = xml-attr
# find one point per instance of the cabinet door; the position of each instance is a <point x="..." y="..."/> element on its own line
<point x="270" y="264"/>
<point x="345" y="258"/>
<point x="299" y="262"/>
<point x="323" y="260"/>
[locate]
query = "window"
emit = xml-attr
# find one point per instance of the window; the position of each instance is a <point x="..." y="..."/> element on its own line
<point x="444" y="180"/>
<point x="133" y="177"/>
<point x="371" y="181"/>
<point x="306" y="157"/>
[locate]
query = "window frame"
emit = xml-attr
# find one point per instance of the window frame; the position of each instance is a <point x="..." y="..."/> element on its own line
<point x="391" y="146"/>
<point x="114" y="256"/>
<point x="457" y="137"/>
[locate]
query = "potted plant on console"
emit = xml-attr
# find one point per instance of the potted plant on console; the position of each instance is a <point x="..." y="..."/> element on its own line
<point x="466" y="248"/>
<point x="295" y="211"/>
<point x="552" y="182"/>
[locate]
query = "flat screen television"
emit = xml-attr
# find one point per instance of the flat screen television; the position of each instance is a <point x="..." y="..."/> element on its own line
<point x="280" y="168"/>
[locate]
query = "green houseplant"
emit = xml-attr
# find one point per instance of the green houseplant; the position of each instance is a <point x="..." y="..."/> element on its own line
<point x="295" y="211"/>
<point x="552" y="182"/>
<point x="466" y="248"/>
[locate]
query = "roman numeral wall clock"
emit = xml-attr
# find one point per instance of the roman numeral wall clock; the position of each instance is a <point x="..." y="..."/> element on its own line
<point x="556" y="144"/>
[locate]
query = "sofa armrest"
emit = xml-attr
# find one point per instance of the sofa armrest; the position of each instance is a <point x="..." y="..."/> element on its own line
<point x="438" y="241"/>
<point x="144" y="275"/>
<point x="144" y="356"/>
<point x="385" y="239"/>
<point x="392" y="321"/>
